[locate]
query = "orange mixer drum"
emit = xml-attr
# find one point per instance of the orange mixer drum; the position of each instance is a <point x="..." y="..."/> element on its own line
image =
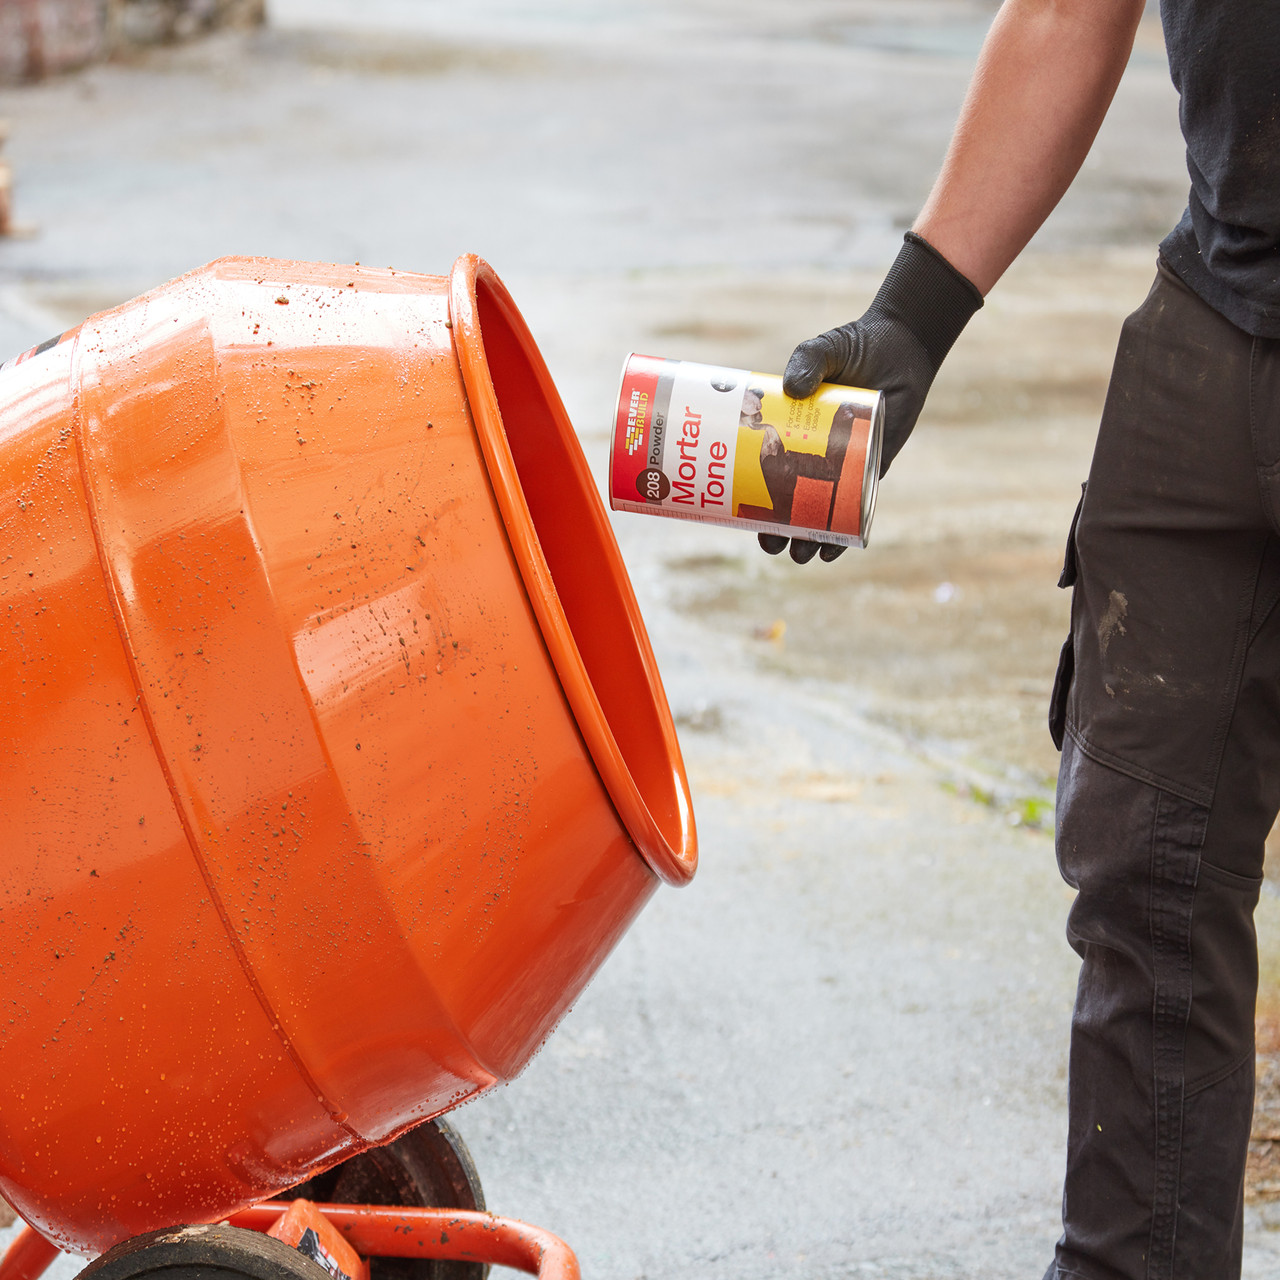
<point x="333" y="755"/>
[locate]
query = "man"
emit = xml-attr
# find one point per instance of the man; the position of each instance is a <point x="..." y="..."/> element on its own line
<point x="1167" y="704"/>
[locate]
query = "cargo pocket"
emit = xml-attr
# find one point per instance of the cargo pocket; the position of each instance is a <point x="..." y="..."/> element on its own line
<point x="1067" y="658"/>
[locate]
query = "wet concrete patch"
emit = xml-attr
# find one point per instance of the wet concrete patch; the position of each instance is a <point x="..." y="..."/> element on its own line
<point x="955" y="643"/>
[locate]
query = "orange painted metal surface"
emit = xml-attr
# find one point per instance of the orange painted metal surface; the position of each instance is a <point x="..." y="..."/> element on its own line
<point x="327" y="1244"/>
<point x="28" y="1256"/>
<point x="376" y="1231"/>
<point x="333" y="755"/>
<point x="379" y="1232"/>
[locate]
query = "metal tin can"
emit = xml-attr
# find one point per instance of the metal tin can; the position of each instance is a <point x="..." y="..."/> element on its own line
<point x="728" y="446"/>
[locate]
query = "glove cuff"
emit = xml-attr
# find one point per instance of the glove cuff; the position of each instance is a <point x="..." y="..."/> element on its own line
<point x="929" y="296"/>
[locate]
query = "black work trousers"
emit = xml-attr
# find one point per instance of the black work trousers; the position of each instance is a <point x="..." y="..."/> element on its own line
<point x="1168" y="701"/>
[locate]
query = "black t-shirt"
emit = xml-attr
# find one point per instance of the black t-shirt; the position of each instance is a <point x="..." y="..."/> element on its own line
<point x="1224" y="56"/>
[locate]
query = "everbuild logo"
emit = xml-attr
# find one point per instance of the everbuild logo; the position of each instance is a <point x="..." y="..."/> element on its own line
<point x="635" y="419"/>
<point x="638" y="424"/>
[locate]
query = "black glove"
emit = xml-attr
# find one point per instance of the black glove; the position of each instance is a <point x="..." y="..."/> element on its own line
<point x="897" y="347"/>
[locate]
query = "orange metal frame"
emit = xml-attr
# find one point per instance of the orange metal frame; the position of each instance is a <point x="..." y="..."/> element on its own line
<point x="380" y="1232"/>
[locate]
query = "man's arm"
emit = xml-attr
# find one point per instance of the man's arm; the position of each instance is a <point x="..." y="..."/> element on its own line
<point x="1045" y="78"/>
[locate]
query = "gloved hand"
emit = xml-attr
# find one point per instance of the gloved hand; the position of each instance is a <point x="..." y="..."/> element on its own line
<point x="897" y="347"/>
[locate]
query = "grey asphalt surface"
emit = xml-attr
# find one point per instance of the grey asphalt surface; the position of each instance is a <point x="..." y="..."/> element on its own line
<point x="841" y="1051"/>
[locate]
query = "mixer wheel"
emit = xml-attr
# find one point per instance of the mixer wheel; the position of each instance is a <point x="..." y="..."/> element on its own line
<point x="429" y="1166"/>
<point x="204" y="1253"/>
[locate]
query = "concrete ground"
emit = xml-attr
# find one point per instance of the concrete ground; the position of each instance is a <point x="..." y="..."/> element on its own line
<point x="841" y="1051"/>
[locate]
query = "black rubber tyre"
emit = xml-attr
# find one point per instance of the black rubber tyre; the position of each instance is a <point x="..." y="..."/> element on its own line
<point x="429" y="1166"/>
<point x="204" y="1253"/>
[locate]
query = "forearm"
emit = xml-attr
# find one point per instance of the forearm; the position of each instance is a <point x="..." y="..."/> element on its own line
<point x="1044" y="80"/>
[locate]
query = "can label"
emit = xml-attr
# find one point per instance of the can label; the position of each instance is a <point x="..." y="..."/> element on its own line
<point x="728" y="446"/>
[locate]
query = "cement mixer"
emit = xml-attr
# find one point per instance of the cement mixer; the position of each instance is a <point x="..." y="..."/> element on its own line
<point x="335" y="759"/>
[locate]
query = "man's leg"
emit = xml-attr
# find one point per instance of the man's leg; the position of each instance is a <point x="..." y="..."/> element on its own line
<point x="1170" y="779"/>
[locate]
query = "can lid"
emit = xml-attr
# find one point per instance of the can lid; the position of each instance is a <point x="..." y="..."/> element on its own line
<point x="871" y="475"/>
